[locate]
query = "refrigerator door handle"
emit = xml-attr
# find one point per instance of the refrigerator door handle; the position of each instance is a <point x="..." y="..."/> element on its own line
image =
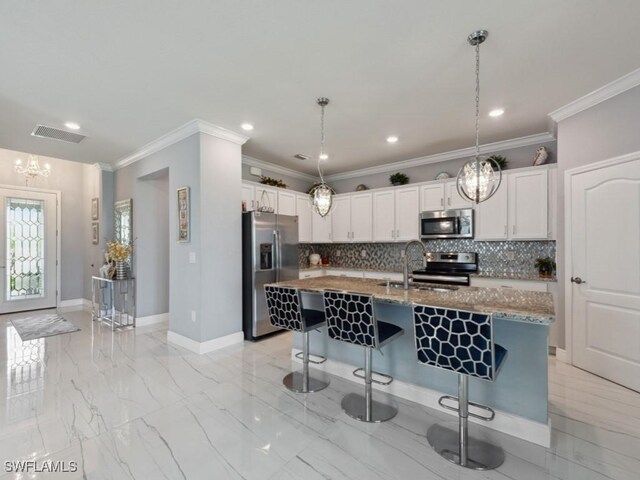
<point x="276" y="253"/>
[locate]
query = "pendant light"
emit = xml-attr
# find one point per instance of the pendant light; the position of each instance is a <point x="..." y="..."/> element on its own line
<point x="322" y="194"/>
<point x="479" y="178"/>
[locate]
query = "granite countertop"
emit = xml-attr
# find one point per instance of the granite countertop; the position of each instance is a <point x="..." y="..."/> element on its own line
<point x="517" y="305"/>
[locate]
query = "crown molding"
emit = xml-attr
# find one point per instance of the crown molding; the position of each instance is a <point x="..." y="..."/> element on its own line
<point x="254" y="162"/>
<point x="622" y="84"/>
<point x="180" y="133"/>
<point x="446" y="156"/>
<point x="105" y="167"/>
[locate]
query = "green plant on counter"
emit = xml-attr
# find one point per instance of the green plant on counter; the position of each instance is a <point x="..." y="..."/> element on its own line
<point x="500" y="161"/>
<point x="272" y="182"/>
<point x="399" y="179"/>
<point x="546" y="266"/>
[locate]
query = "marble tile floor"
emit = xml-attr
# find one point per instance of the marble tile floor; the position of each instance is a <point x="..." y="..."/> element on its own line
<point x="127" y="405"/>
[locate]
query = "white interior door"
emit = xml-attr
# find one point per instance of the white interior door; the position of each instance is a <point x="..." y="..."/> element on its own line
<point x="28" y="276"/>
<point x="605" y="268"/>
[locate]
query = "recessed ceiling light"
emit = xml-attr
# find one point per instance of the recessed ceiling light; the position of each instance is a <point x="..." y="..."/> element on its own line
<point x="246" y="126"/>
<point x="72" y="126"/>
<point x="496" y="112"/>
<point x="392" y="139"/>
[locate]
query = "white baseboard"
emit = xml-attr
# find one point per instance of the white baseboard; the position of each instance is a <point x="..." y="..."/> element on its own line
<point x="535" y="432"/>
<point x="152" y="319"/>
<point x="204" y="347"/>
<point x="75" y="304"/>
<point x="561" y="355"/>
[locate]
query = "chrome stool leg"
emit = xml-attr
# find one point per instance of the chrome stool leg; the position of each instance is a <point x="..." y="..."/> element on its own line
<point x="456" y="446"/>
<point x="365" y="408"/>
<point x="302" y="382"/>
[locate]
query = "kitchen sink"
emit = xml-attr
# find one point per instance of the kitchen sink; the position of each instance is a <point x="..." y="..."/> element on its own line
<point x="414" y="286"/>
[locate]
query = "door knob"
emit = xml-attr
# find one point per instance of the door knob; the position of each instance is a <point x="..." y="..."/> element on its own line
<point x="577" y="280"/>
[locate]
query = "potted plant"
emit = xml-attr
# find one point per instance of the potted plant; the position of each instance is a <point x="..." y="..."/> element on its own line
<point x="546" y="266"/>
<point x="399" y="179"/>
<point x="499" y="160"/>
<point x="272" y="182"/>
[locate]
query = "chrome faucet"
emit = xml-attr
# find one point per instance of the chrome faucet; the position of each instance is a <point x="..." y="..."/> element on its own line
<point x="405" y="269"/>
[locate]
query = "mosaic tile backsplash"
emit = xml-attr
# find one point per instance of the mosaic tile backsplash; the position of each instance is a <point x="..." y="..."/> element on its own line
<point x="493" y="257"/>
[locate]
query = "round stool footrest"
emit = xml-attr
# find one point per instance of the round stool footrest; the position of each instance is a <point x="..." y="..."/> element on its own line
<point x="488" y="418"/>
<point x="481" y="455"/>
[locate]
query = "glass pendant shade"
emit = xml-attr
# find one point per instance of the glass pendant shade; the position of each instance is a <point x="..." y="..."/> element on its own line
<point x="478" y="180"/>
<point x="322" y="199"/>
<point x="32" y="169"/>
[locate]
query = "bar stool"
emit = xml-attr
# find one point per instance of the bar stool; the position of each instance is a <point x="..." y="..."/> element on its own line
<point x="350" y="319"/>
<point x="461" y="342"/>
<point x="285" y="311"/>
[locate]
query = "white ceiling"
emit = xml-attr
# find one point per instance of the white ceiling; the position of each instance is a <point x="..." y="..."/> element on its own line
<point x="131" y="71"/>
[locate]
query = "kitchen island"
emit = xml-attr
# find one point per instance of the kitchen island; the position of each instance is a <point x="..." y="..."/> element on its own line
<point x="521" y="325"/>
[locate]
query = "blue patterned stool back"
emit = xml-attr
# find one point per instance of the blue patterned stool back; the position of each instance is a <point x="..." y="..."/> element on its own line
<point x="456" y="340"/>
<point x="350" y="318"/>
<point x="285" y="308"/>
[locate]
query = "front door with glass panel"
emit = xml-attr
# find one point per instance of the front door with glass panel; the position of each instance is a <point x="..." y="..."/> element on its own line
<point x="28" y="276"/>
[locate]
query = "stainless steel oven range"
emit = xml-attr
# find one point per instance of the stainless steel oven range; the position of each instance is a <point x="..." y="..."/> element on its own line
<point x="447" y="268"/>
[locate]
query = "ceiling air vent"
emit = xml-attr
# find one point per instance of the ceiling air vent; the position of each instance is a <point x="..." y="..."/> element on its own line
<point x="301" y="156"/>
<point x="43" y="131"/>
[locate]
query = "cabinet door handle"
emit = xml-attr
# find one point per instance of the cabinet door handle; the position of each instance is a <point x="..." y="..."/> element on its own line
<point x="449" y="201"/>
<point x="513" y="230"/>
<point x="393" y="234"/>
<point x="397" y="233"/>
<point x="441" y="201"/>
<point x="505" y="230"/>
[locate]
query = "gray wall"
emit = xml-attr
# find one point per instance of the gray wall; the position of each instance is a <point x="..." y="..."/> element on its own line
<point x="68" y="178"/>
<point x="293" y="183"/>
<point x="517" y="157"/>
<point x="152" y="246"/>
<point x="604" y="131"/>
<point x="205" y="297"/>
<point x="182" y="160"/>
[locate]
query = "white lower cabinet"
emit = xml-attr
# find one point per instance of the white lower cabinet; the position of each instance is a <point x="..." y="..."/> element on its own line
<point x="303" y="210"/>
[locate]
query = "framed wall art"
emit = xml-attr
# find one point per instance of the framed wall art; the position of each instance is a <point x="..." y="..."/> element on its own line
<point x="95" y="233"/>
<point x="184" y="215"/>
<point x="95" y="214"/>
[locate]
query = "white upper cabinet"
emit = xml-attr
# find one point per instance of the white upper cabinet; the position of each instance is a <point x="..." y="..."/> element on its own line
<point x="286" y="203"/>
<point x="454" y="200"/>
<point x="320" y="228"/>
<point x="341" y="218"/>
<point x="491" y="220"/>
<point x="553" y="202"/>
<point x="432" y="197"/>
<point x="523" y="208"/>
<point x="441" y="196"/>
<point x="384" y="227"/>
<point x="266" y="197"/>
<point x="407" y="212"/>
<point x="303" y="210"/>
<point x="528" y="205"/>
<point x="247" y="196"/>
<point x="361" y="217"/>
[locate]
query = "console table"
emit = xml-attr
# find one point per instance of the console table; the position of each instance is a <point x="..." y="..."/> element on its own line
<point x="113" y="301"/>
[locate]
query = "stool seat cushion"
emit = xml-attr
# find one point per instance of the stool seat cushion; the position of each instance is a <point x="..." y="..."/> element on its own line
<point x="313" y="318"/>
<point x="387" y="330"/>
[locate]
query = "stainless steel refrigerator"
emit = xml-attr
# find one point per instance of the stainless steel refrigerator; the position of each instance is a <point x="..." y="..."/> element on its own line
<point x="269" y="254"/>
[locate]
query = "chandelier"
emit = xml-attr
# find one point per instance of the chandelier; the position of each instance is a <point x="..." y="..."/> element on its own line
<point x="322" y="194"/>
<point x="32" y="169"/>
<point x="479" y="178"/>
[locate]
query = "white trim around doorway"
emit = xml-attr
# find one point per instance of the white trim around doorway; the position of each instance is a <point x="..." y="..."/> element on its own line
<point x="568" y="265"/>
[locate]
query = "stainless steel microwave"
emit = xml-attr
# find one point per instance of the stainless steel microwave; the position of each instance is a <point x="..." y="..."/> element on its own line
<point x="447" y="224"/>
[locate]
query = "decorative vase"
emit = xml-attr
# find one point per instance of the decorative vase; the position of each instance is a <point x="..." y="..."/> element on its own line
<point x="545" y="271"/>
<point x="121" y="270"/>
